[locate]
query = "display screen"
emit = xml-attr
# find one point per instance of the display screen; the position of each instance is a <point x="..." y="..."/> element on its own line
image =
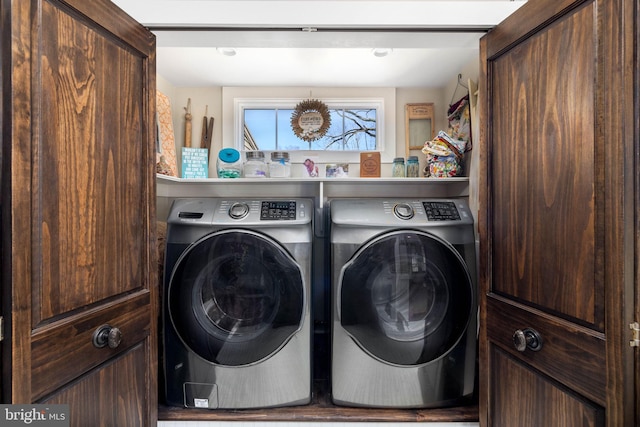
<point x="278" y="210"/>
<point x="441" y="211"/>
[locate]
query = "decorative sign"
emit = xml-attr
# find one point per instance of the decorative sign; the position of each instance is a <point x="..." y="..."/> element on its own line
<point x="310" y="120"/>
<point x="195" y="162"/>
<point x="370" y="164"/>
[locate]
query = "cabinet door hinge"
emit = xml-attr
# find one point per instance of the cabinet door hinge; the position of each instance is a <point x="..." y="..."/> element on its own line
<point x="635" y="334"/>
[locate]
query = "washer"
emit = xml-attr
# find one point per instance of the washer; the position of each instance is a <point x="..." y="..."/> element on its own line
<point x="404" y="312"/>
<point x="236" y="316"/>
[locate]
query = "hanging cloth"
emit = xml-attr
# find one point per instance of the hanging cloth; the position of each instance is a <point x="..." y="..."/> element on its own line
<point x="459" y="117"/>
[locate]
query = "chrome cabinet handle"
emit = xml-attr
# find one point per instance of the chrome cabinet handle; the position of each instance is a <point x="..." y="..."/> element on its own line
<point x="527" y="339"/>
<point x="106" y="335"/>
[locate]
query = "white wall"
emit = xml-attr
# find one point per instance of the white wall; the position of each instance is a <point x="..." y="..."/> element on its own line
<point x="223" y="115"/>
<point x="417" y="95"/>
<point x="203" y="99"/>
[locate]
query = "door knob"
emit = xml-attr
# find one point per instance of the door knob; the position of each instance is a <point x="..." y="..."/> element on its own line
<point x="527" y="339"/>
<point x="106" y="335"/>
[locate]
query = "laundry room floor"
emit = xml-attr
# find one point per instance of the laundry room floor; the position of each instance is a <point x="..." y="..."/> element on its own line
<point x="296" y="423"/>
<point x="322" y="413"/>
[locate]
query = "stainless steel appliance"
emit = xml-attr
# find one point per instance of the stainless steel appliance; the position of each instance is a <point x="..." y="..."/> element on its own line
<point x="236" y="312"/>
<point x="404" y="313"/>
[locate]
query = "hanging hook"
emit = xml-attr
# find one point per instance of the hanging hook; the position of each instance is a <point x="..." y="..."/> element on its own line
<point x="460" y="82"/>
<point x="453" y="95"/>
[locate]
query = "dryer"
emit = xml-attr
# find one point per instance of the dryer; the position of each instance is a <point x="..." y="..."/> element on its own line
<point x="236" y="312"/>
<point x="404" y="311"/>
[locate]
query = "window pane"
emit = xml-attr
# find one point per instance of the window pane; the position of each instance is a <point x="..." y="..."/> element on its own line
<point x="261" y="126"/>
<point x="360" y="129"/>
<point x="287" y="140"/>
<point x="350" y="130"/>
<point x="332" y="140"/>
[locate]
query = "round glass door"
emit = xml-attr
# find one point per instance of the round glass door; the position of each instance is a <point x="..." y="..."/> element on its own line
<point x="406" y="297"/>
<point x="236" y="297"/>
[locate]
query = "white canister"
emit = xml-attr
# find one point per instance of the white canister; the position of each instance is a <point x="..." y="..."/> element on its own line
<point x="255" y="167"/>
<point x="280" y="167"/>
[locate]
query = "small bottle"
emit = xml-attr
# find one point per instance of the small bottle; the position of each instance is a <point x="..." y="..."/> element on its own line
<point x="255" y="167"/>
<point x="413" y="167"/>
<point x="280" y="167"/>
<point x="229" y="164"/>
<point x="398" y="168"/>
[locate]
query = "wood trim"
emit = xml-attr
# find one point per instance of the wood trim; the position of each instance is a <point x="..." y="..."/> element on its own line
<point x="117" y="23"/>
<point x="636" y="233"/>
<point x="18" y="150"/>
<point x="618" y="26"/>
<point x="152" y="232"/>
<point x="484" y="231"/>
<point x="527" y="20"/>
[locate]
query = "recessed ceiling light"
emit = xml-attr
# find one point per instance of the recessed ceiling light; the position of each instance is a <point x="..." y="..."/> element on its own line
<point x="381" y="52"/>
<point x="226" y="51"/>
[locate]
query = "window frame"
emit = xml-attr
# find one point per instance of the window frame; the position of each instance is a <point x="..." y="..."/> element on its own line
<point x="323" y="156"/>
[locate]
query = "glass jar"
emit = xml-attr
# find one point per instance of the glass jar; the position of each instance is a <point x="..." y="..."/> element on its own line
<point x="280" y="167"/>
<point x="255" y="167"/>
<point x="229" y="164"/>
<point x="397" y="170"/>
<point x="413" y="167"/>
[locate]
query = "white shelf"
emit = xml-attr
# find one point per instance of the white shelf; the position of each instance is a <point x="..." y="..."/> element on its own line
<point x="317" y="188"/>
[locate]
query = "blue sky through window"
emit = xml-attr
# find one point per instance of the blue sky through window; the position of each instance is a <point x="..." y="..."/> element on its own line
<point x="351" y="129"/>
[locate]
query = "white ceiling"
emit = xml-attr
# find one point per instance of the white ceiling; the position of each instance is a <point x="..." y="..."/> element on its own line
<point x="316" y="43"/>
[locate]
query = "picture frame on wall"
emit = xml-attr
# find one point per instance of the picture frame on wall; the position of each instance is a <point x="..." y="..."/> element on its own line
<point x="419" y="125"/>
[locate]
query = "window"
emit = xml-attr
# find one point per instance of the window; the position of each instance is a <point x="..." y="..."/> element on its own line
<point x="352" y="129"/>
<point x="356" y="125"/>
<point x="235" y="100"/>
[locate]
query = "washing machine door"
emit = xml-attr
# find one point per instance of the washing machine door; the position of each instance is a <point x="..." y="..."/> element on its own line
<point x="236" y="297"/>
<point x="406" y="297"/>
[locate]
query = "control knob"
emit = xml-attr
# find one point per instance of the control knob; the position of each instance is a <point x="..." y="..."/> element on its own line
<point x="238" y="210"/>
<point x="403" y="211"/>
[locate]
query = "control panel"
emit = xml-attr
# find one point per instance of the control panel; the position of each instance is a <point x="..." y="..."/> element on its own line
<point x="278" y="210"/>
<point x="441" y="211"/>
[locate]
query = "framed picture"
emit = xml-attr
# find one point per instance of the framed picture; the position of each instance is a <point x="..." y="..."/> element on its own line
<point x="418" y="125"/>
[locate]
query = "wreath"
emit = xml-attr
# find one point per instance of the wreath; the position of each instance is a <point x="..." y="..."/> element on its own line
<point x="310" y="120"/>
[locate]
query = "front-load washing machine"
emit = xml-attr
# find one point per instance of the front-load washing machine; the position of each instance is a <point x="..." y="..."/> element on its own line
<point x="404" y="322"/>
<point x="236" y="312"/>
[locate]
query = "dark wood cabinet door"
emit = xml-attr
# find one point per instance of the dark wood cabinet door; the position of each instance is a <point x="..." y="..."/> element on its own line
<point x="78" y="197"/>
<point x="557" y="205"/>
